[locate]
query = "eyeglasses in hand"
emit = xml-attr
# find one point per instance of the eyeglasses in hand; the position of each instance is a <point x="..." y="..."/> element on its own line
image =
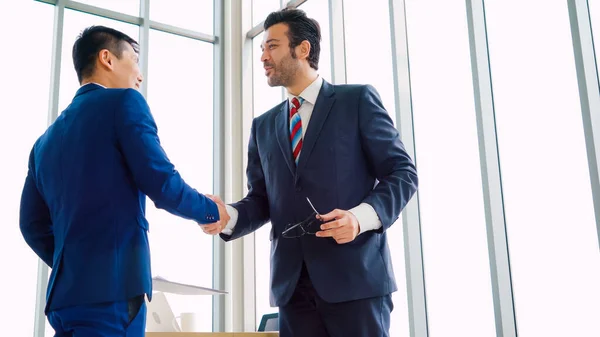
<point x="309" y="226"/>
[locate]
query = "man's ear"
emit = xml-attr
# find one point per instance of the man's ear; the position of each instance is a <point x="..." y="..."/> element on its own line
<point x="105" y="59"/>
<point x="304" y="49"/>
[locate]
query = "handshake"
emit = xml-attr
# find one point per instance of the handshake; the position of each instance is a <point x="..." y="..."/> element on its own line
<point x="217" y="227"/>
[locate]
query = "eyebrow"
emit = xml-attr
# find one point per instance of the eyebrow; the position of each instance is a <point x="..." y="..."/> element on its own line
<point x="272" y="40"/>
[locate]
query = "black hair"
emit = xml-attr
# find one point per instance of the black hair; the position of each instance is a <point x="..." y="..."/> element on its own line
<point x="91" y="41"/>
<point x="300" y="28"/>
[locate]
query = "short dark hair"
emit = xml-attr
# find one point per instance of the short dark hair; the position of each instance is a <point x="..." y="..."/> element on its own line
<point x="91" y="41"/>
<point x="300" y="28"/>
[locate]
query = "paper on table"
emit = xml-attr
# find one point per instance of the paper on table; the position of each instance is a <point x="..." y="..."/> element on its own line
<point x="161" y="284"/>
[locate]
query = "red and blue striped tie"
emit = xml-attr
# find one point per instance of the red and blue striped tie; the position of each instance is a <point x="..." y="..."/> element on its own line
<point x="296" y="128"/>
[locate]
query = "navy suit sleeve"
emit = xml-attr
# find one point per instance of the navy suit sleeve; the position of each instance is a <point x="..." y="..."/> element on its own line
<point x="34" y="218"/>
<point x="154" y="174"/>
<point x="253" y="210"/>
<point x="393" y="168"/>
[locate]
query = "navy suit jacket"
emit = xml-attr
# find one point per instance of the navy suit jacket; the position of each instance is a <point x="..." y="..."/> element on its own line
<point x="83" y="203"/>
<point x="351" y="154"/>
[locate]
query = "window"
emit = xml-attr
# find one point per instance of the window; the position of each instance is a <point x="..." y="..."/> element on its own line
<point x="180" y="95"/>
<point x="265" y="97"/>
<point x="594" y="6"/>
<point x="455" y="251"/>
<point x="24" y="96"/>
<point x="130" y="7"/>
<point x="552" y="235"/>
<point x="362" y="68"/>
<point x="190" y="14"/>
<point x="369" y="48"/>
<point x="74" y="23"/>
<point x="262" y="8"/>
<point x="319" y="10"/>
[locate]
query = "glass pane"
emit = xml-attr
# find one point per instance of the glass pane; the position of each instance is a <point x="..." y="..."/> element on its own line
<point x="455" y="251"/>
<point x="180" y="95"/>
<point x="594" y="6"/>
<point x="189" y="14"/>
<point x="319" y="10"/>
<point x="361" y="68"/>
<point x="262" y="8"/>
<point x="75" y="22"/>
<point x="130" y="7"/>
<point x="24" y="94"/>
<point x="550" y="223"/>
<point x="265" y="97"/>
<point x="375" y="15"/>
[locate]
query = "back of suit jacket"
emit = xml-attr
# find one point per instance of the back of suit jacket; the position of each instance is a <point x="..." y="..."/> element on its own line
<point x="83" y="204"/>
<point x="351" y="154"/>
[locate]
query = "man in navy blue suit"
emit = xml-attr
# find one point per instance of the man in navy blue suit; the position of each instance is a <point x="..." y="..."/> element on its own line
<point x="328" y="169"/>
<point x="83" y="203"/>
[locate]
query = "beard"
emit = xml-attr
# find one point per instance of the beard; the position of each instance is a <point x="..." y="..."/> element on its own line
<point x="283" y="74"/>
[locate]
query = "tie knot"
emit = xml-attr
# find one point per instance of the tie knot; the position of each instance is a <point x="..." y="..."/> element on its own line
<point x="297" y="102"/>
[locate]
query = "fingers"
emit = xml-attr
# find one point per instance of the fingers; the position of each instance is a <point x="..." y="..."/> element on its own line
<point x="333" y="224"/>
<point x="340" y="235"/>
<point x="335" y="214"/>
<point x="223" y="215"/>
<point x="341" y="229"/>
<point x="332" y="233"/>
<point x="213" y="229"/>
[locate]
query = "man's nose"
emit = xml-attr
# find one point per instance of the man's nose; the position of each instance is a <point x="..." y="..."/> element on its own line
<point x="265" y="56"/>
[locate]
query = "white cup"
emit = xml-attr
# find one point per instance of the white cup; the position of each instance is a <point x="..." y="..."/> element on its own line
<point x="189" y="322"/>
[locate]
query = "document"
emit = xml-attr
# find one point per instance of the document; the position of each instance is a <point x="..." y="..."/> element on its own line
<point x="161" y="284"/>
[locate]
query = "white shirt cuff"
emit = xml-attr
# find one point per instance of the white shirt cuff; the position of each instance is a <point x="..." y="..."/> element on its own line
<point x="368" y="219"/>
<point x="233" y="215"/>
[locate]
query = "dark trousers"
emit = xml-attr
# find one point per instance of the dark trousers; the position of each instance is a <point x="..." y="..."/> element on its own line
<point x="307" y="315"/>
<point x="113" y="319"/>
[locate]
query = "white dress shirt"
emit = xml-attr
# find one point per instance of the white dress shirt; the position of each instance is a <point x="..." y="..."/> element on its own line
<point x="364" y="213"/>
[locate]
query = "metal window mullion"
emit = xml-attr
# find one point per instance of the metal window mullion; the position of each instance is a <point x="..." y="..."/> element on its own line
<point x="338" y="42"/>
<point x="232" y="40"/>
<point x="415" y="280"/>
<point x="589" y="92"/>
<point x="42" y="274"/>
<point x="106" y="13"/>
<point x="142" y="20"/>
<point x="163" y="27"/>
<point x="219" y="258"/>
<point x="258" y="28"/>
<point x="144" y="41"/>
<point x="502" y="291"/>
<point x="246" y="254"/>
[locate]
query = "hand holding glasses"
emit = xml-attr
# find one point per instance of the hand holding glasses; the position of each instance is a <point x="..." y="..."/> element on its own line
<point x="309" y="226"/>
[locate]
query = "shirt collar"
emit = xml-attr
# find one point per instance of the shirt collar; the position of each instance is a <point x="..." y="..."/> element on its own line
<point x="311" y="92"/>
<point x="98" y="84"/>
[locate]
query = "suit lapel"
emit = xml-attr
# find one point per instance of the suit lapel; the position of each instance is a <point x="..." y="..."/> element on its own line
<point x="282" y="133"/>
<point x="319" y="115"/>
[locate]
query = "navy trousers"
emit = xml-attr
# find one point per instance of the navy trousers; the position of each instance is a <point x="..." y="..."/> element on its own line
<point x="306" y="314"/>
<point x="114" y="319"/>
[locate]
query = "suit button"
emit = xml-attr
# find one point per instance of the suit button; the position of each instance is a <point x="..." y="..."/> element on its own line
<point x="298" y="188"/>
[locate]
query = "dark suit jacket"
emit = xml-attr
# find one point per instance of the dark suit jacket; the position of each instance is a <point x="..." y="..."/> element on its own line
<point x="351" y="154"/>
<point x="83" y="203"/>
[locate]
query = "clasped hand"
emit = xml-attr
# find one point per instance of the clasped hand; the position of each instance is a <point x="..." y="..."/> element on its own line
<point x="217" y="227"/>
